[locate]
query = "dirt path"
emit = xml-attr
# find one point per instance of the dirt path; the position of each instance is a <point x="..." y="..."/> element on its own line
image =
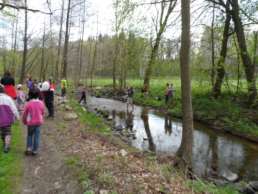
<point x="73" y="160"/>
<point x="47" y="173"/>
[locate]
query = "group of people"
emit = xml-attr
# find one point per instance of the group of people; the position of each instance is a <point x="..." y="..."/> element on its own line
<point x="30" y="107"/>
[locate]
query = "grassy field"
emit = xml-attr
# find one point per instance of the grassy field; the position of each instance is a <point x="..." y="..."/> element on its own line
<point x="228" y="111"/>
<point x="11" y="164"/>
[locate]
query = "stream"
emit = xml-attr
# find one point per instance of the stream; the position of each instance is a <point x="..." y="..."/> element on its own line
<point x="213" y="151"/>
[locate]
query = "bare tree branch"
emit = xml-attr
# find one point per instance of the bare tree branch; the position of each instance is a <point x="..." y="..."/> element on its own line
<point x="3" y="5"/>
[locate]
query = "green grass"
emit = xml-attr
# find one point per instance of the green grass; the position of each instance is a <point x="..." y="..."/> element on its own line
<point x="205" y="187"/>
<point x="11" y="164"/>
<point x="228" y="112"/>
<point x="92" y="121"/>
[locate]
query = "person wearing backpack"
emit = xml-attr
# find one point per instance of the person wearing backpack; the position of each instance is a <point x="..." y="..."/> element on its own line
<point x="8" y="115"/>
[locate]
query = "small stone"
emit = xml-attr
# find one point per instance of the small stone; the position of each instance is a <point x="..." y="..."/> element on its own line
<point x="68" y="108"/>
<point x="57" y="185"/>
<point x="110" y="118"/>
<point x="123" y="153"/>
<point x="103" y="192"/>
<point x="70" y="116"/>
<point x="230" y="176"/>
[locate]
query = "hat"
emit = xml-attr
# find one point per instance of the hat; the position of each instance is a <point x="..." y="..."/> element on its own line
<point x="45" y="86"/>
<point x="19" y="86"/>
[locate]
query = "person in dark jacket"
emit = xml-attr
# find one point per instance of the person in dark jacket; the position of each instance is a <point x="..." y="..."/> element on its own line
<point x="48" y="93"/>
<point x="9" y="85"/>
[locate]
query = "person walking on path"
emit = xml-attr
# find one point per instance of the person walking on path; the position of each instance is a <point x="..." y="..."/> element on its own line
<point x="9" y="85"/>
<point x="21" y="98"/>
<point x="8" y="114"/>
<point x="33" y="118"/>
<point x="48" y="95"/>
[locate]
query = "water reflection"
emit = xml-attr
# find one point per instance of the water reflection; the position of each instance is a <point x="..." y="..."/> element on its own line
<point x="213" y="153"/>
<point x="145" y="118"/>
<point x="168" y="124"/>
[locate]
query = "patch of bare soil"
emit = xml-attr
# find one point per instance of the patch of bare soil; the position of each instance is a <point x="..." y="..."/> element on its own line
<point x="73" y="160"/>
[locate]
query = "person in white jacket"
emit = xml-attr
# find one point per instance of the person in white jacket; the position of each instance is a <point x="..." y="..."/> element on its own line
<point x="8" y="114"/>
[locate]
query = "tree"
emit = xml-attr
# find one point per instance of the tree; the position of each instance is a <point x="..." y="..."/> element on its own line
<point x="65" y="54"/>
<point x="25" y="45"/>
<point x="165" y="11"/>
<point x="247" y="62"/>
<point x="123" y="8"/>
<point x="185" y="150"/>
<point x="223" y="53"/>
<point x="60" y="37"/>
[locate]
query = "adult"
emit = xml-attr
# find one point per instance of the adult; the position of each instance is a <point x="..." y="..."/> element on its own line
<point x="48" y="90"/>
<point x="9" y="85"/>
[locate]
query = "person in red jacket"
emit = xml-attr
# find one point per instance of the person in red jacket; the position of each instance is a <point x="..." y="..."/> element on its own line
<point x="9" y="85"/>
<point x="33" y="117"/>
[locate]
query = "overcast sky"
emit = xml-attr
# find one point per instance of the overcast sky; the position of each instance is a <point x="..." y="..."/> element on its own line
<point x="102" y="11"/>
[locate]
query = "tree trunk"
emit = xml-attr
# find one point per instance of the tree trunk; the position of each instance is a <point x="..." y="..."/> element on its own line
<point x="42" y="67"/>
<point x="59" y="43"/>
<point x="185" y="150"/>
<point x="162" y="26"/>
<point x="247" y="62"/>
<point x="13" y="69"/>
<point x="25" y="45"/>
<point x="154" y="53"/>
<point x="212" y="48"/>
<point x="65" y="55"/>
<point x="216" y="91"/>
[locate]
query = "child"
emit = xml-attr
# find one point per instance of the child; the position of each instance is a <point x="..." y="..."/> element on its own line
<point x="8" y="113"/>
<point x="83" y="96"/>
<point x="33" y="118"/>
<point x="21" y="98"/>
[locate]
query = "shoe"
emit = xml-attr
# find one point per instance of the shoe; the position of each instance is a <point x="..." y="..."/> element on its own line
<point x="34" y="153"/>
<point x="28" y="152"/>
<point x="6" y="149"/>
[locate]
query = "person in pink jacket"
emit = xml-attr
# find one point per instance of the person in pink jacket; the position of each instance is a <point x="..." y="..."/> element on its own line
<point x="33" y="118"/>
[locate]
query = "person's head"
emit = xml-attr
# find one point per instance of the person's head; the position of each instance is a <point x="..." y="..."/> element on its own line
<point x="7" y="74"/>
<point x="167" y="84"/>
<point x="34" y="93"/>
<point x="1" y="88"/>
<point x="19" y="87"/>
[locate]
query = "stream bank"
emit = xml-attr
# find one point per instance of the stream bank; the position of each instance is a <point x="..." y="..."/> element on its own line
<point x="220" y="116"/>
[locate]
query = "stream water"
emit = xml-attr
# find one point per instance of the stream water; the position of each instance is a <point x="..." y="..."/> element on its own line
<point x="213" y="151"/>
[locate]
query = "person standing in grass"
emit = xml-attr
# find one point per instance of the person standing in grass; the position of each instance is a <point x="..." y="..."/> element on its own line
<point x="8" y="114"/>
<point x="166" y="94"/>
<point x="64" y="86"/>
<point x="33" y="118"/>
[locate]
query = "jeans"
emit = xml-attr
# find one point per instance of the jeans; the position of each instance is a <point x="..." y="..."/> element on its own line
<point x="33" y="138"/>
